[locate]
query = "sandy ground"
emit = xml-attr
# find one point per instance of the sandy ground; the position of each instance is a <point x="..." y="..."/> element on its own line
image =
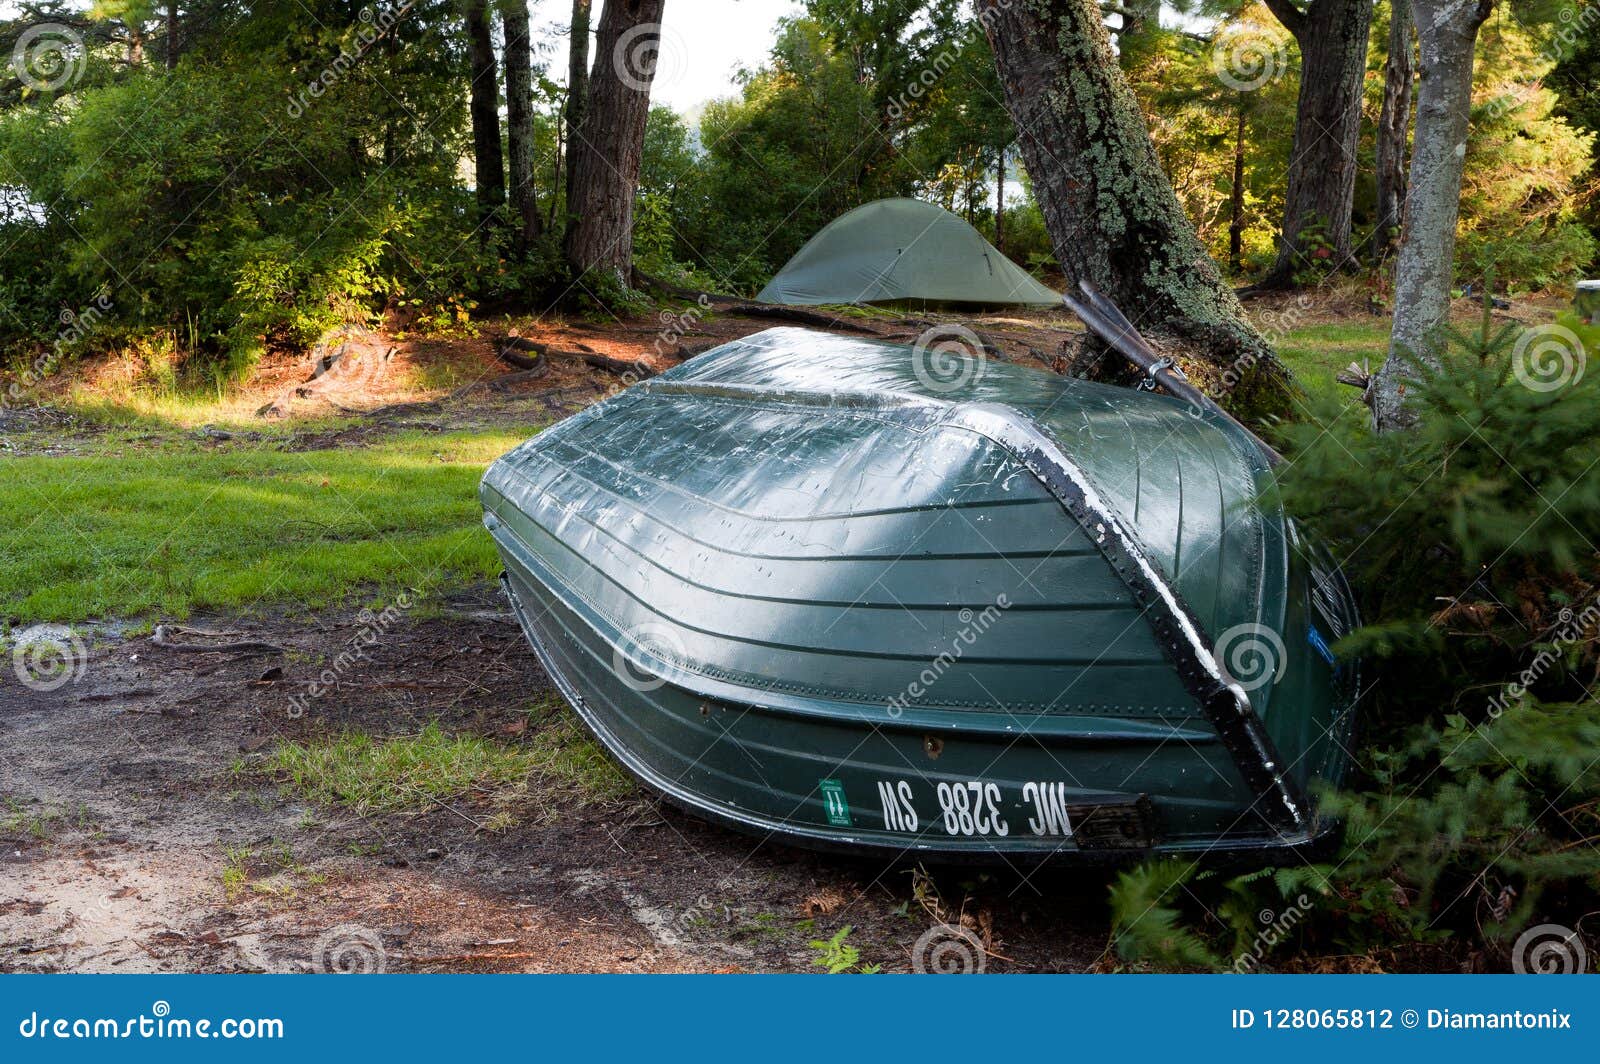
<point x="129" y="788"/>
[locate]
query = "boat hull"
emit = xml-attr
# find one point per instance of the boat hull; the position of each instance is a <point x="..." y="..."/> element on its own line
<point x="798" y="590"/>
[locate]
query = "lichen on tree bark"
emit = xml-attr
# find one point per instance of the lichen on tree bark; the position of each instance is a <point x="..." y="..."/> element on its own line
<point x="1112" y="215"/>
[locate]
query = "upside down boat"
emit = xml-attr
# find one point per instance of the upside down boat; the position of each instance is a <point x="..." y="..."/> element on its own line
<point x="809" y="588"/>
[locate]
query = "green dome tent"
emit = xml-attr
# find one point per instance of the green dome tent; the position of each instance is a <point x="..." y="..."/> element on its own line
<point x="902" y="249"/>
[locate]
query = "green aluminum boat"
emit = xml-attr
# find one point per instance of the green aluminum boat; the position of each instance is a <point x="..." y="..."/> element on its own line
<point x="860" y="595"/>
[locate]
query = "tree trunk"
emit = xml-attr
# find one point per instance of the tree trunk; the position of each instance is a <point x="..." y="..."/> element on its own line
<point x="1447" y="33"/>
<point x="519" y="119"/>
<point x="488" y="163"/>
<point x="1332" y="35"/>
<point x="1000" y="202"/>
<point x="172" y="34"/>
<point x="1113" y="218"/>
<point x="1394" y="122"/>
<point x="609" y="145"/>
<point x="1236" y="199"/>
<point x="577" y="82"/>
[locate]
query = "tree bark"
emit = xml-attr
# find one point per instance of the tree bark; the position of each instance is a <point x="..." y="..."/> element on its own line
<point x="1000" y="202"/>
<point x="1447" y="33"/>
<point x="488" y="163"/>
<point x="609" y="145"/>
<point x="1394" y="122"/>
<point x="1112" y="215"/>
<point x="577" y="81"/>
<point x="519" y="119"/>
<point x="1332" y="35"/>
<point x="1236" y="197"/>
<point x="172" y="34"/>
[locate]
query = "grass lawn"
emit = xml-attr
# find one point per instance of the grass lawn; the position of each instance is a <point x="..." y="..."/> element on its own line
<point x="1317" y="352"/>
<point x="162" y="533"/>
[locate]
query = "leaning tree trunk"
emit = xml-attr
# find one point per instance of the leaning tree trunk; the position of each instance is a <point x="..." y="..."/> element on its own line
<point x="519" y="119"/>
<point x="1332" y="35"/>
<point x="1113" y="218"/>
<point x="609" y="146"/>
<point x="577" y="81"/>
<point x="1447" y="33"/>
<point x="1394" y="122"/>
<point x="488" y="163"/>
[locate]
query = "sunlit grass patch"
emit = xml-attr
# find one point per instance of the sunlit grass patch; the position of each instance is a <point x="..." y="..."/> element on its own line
<point x="412" y="774"/>
<point x="168" y="533"/>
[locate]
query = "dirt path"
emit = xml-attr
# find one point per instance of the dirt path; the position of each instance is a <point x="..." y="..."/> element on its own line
<point x="140" y="832"/>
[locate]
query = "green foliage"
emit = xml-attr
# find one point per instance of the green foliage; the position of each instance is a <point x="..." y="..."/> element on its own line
<point x="293" y="172"/>
<point x="1519" y="202"/>
<point x="1471" y="540"/>
<point x="838" y="957"/>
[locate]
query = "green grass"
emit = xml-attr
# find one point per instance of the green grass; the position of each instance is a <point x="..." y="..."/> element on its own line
<point x="168" y="532"/>
<point x="413" y="773"/>
<point x="1316" y="353"/>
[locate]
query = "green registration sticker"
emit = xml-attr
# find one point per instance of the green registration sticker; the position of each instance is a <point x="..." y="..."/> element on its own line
<point x="833" y="800"/>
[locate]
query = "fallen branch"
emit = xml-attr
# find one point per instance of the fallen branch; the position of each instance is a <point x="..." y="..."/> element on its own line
<point x="798" y="316"/>
<point x="678" y="291"/>
<point x="508" y="349"/>
<point x="240" y="646"/>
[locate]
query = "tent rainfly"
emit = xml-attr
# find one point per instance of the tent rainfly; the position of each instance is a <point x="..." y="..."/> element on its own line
<point x="902" y="249"/>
